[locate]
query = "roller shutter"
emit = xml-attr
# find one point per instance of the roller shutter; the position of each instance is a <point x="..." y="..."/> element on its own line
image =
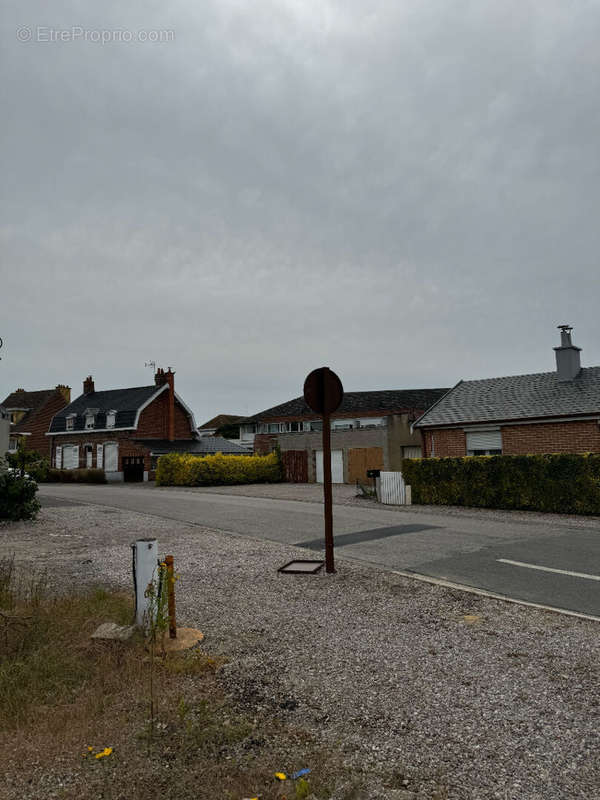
<point x="484" y="440"/>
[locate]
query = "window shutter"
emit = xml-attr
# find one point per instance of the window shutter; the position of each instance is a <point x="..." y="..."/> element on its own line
<point x="484" y="440"/>
<point x="111" y="457"/>
<point x="99" y="454"/>
<point x="58" y="457"/>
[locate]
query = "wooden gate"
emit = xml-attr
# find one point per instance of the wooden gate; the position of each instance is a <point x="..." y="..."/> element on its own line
<point x="295" y="466"/>
<point x="360" y="459"/>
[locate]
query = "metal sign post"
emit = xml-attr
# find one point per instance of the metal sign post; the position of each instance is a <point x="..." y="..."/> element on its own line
<point x="323" y="392"/>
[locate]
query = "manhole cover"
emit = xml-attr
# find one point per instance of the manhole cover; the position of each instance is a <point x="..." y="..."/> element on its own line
<point x="301" y="567"/>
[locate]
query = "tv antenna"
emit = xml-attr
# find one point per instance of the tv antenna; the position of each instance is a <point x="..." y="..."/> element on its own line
<point x="151" y="364"/>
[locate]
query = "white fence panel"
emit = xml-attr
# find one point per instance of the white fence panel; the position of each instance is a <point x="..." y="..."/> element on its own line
<point x="392" y="490"/>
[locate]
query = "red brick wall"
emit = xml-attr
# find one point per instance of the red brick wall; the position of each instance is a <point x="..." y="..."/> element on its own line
<point x="551" y="437"/>
<point x="544" y="437"/>
<point x="39" y="424"/>
<point x="264" y="443"/>
<point x="154" y="420"/>
<point x="447" y="443"/>
<point x="127" y="447"/>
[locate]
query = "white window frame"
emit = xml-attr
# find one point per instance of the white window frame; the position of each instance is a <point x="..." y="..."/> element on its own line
<point x="70" y="423"/>
<point x="111" y="417"/>
<point x="90" y="421"/>
<point x="58" y="457"/>
<point x="99" y="456"/>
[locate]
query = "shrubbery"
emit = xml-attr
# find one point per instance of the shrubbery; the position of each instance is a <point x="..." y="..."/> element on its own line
<point x="177" y="469"/>
<point x="76" y="475"/>
<point x="17" y="497"/>
<point x="563" y="483"/>
<point x="28" y="461"/>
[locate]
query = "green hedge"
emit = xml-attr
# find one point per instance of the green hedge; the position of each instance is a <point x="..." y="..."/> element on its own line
<point x="17" y="497"/>
<point x="564" y="483"/>
<point x="177" y="469"/>
<point x="76" y="476"/>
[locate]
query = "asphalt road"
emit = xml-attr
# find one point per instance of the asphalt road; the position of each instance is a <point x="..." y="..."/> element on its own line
<point x="547" y="563"/>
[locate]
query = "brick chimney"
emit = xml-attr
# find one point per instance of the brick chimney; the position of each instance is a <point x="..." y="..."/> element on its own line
<point x="568" y="360"/>
<point x="160" y="379"/>
<point x="88" y="385"/>
<point x="65" y="391"/>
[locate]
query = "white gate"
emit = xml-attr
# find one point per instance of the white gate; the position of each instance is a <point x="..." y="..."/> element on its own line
<point x="391" y="489"/>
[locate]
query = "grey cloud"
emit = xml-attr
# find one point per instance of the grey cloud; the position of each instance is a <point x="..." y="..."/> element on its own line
<point x="404" y="191"/>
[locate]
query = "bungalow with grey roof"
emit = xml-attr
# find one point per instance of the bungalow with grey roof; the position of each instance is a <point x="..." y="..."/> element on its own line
<point x="546" y="412"/>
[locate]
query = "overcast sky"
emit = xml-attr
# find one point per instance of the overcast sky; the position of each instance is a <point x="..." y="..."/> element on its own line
<point x="407" y="192"/>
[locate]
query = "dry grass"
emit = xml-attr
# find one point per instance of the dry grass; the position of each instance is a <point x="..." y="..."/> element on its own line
<point x="61" y="692"/>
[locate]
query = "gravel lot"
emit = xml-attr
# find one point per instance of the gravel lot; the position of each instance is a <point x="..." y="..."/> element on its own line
<point x="486" y="699"/>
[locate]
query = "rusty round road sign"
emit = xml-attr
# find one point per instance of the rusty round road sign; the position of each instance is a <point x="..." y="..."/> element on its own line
<point x="323" y="391"/>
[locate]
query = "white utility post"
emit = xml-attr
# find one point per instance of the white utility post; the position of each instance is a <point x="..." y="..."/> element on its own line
<point x="145" y="557"/>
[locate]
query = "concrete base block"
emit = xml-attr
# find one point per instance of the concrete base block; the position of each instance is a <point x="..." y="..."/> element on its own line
<point x="110" y="630"/>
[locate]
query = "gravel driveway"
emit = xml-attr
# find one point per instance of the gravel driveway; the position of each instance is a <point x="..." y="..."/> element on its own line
<point x="465" y="697"/>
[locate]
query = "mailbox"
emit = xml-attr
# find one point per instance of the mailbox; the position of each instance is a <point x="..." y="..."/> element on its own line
<point x="373" y="473"/>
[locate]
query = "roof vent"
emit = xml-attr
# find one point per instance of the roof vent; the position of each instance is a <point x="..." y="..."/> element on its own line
<point x="568" y="359"/>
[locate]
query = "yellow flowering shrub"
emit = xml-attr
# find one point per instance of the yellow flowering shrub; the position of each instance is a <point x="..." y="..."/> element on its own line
<point x="180" y="469"/>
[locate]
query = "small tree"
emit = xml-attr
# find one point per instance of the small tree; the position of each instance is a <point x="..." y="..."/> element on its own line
<point x="17" y="497"/>
<point x="229" y="431"/>
<point x="28" y="461"/>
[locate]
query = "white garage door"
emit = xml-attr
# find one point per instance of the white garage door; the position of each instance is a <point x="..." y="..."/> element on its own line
<point x="111" y="457"/>
<point x="337" y="466"/>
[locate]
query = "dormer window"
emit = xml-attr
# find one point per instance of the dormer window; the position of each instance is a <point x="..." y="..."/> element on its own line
<point x="110" y="419"/>
<point x="71" y="422"/>
<point x="90" y="418"/>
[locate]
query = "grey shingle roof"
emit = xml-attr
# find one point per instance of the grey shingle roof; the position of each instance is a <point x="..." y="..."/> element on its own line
<point x="517" y="397"/>
<point x="124" y="401"/>
<point x="204" y="446"/>
<point x="386" y="401"/>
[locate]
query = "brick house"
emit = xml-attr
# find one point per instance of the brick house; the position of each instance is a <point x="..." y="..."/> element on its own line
<point x="124" y="431"/>
<point x="370" y="430"/>
<point x="546" y="412"/>
<point x="30" y="414"/>
<point x="4" y="434"/>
